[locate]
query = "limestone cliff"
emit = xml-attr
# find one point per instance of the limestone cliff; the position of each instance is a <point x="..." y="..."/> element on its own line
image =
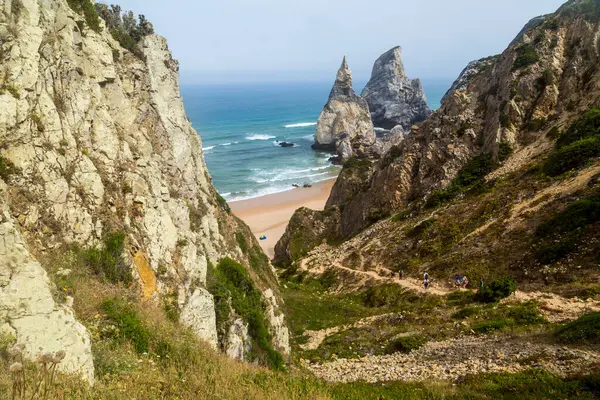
<point x="344" y="125"/>
<point x="95" y="140"/>
<point x="545" y="79"/>
<point x="393" y="98"/>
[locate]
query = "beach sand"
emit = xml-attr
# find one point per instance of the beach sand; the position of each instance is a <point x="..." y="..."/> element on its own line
<point x="269" y="215"/>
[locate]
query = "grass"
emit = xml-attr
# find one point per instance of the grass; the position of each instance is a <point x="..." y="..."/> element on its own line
<point x="234" y="292"/>
<point x="576" y="146"/>
<point x="406" y="344"/>
<point x="107" y="260"/>
<point x="585" y="330"/>
<point x="128" y="325"/>
<point x="508" y="316"/>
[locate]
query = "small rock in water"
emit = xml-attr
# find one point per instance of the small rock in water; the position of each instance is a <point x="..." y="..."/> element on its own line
<point x="286" y="144"/>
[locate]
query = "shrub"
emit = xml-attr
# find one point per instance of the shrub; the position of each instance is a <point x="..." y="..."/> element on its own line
<point x="232" y="287"/>
<point x="402" y="215"/>
<point x="124" y="28"/>
<point x="526" y="56"/>
<point x="553" y="133"/>
<point x="7" y="168"/>
<point x="406" y="344"/>
<point x="585" y="127"/>
<point x="421" y="227"/>
<point x="497" y="290"/>
<point x="88" y="9"/>
<point x="459" y="298"/>
<point x="505" y="150"/>
<point x="223" y="203"/>
<point x="490" y="326"/>
<point x="242" y="242"/>
<point x="572" y="156"/>
<point x="108" y="260"/>
<point x="576" y="215"/>
<point x="357" y="163"/>
<point x="547" y="78"/>
<point x="388" y="295"/>
<point x="584" y="330"/>
<point x="466" y="312"/>
<point x="555" y="250"/>
<point x="128" y="323"/>
<point x="526" y="314"/>
<point x="535" y="124"/>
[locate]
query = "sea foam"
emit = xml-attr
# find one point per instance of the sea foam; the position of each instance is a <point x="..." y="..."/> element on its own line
<point x="300" y="125"/>
<point x="259" y="137"/>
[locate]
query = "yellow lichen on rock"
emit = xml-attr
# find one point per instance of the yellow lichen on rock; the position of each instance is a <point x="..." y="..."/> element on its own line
<point x="147" y="277"/>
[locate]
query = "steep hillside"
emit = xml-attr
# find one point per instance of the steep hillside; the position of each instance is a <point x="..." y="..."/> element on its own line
<point x="102" y="178"/>
<point x="501" y="113"/>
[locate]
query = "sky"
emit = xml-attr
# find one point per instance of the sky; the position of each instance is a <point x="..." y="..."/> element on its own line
<point x="304" y="40"/>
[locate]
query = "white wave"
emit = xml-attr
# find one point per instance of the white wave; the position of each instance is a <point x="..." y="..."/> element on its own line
<point x="228" y="144"/>
<point x="379" y="129"/>
<point x="281" y="175"/>
<point x="300" y="125"/>
<point x="208" y="148"/>
<point x="239" y="196"/>
<point x="259" y="137"/>
<point x="309" y="137"/>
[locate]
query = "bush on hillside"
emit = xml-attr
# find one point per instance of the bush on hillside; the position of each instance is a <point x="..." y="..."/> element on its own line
<point x="88" y="10"/>
<point x="406" y="344"/>
<point x="526" y="56"/>
<point x="129" y="325"/>
<point x="585" y="330"/>
<point x="505" y="150"/>
<point x="124" y="27"/>
<point x="389" y="295"/>
<point x="496" y="290"/>
<point x="576" y="145"/>
<point x="107" y="260"/>
<point x="233" y="288"/>
<point x="490" y="326"/>
<point x="7" y="168"/>
<point x="576" y="215"/>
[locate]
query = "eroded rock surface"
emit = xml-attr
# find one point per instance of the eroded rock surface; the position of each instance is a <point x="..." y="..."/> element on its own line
<point x="344" y="125"/>
<point x="393" y="98"/>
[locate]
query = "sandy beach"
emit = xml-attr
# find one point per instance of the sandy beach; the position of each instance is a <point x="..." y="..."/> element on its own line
<point x="269" y="215"/>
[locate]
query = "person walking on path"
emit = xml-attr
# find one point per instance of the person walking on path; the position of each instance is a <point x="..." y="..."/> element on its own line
<point x="426" y="280"/>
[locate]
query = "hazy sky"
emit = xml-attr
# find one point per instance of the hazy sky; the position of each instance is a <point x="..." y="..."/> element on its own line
<point x="230" y="40"/>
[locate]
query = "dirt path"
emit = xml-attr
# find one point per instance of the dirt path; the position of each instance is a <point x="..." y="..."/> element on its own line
<point x="452" y="359"/>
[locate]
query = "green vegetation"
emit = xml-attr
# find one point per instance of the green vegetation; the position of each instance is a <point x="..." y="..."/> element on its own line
<point x="468" y="178"/>
<point x="505" y="150"/>
<point x="357" y="163"/>
<point x="124" y="28"/>
<point x="526" y="56"/>
<point x="490" y="325"/>
<point x="514" y="316"/>
<point x="223" y="203"/>
<point x="496" y="290"/>
<point x="17" y="8"/>
<point x="128" y="325"/>
<point x="576" y="146"/>
<point x="234" y="290"/>
<point x="553" y="133"/>
<point x="388" y="295"/>
<point x="585" y="330"/>
<point x="7" y="168"/>
<point x="402" y="215"/>
<point x="547" y="78"/>
<point x="107" y="260"/>
<point x="561" y="233"/>
<point x="406" y="344"/>
<point x="88" y="10"/>
<point x="37" y="120"/>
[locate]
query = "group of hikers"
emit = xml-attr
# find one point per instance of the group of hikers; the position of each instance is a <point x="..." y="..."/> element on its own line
<point x="460" y="281"/>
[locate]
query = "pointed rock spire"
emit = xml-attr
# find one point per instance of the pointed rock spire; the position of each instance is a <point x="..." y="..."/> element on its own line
<point x="343" y="81"/>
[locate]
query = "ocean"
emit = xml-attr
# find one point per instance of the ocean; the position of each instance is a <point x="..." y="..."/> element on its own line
<point x="241" y="124"/>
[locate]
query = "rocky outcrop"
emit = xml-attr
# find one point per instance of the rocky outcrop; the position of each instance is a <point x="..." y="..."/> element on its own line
<point x="344" y="125"/>
<point x="393" y="98"/>
<point x="27" y="309"/>
<point x="100" y="143"/>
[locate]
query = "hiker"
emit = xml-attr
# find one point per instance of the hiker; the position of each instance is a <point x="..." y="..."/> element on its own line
<point x="426" y="282"/>
<point x="457" y="280"/>
<point x="402" y="275"/>
<point x="393" y="274"/>
<point x="465" y="282"/>
<point x="481" y="283"/>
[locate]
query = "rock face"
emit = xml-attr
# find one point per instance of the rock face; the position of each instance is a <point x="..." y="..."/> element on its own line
<point x="100" y="142"/>
<point x="344" y="125"/>
<point x="393" y="98"/>
<point x="27" y="309"/>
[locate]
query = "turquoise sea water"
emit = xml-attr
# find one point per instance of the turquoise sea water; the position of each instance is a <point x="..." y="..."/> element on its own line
<point x="241" y="124"/>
